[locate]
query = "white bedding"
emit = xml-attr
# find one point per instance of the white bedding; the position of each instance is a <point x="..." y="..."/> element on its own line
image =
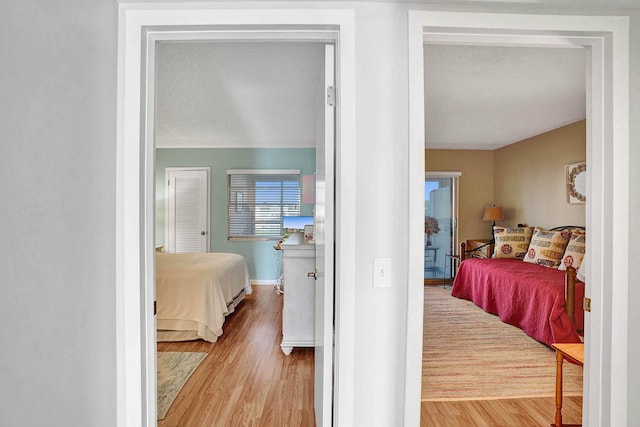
<point x="195" y="291"/>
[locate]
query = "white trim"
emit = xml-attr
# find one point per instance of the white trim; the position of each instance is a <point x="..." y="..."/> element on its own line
<point x="606" y="367"/>
<point x="238" y="35"/>
<point x="188" y="168"/>
<point x="135" y="186"/>
<point x="258" y="282"/>
<point x="430" y="174"/>
<point x="263" y="171"/>
<point x="470" y="37"/>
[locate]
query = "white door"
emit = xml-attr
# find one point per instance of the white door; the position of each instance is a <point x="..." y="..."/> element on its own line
<point x="324" y="222"/>
<point x="187" y="210"/>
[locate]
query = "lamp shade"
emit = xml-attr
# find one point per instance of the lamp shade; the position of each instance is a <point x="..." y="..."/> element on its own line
<point x="493" y="213"/>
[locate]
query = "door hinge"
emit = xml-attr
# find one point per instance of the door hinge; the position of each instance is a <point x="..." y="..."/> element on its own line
<point x="586" y="304"/>
<point x="331" y="96"/>
<point x="154" y="308"/>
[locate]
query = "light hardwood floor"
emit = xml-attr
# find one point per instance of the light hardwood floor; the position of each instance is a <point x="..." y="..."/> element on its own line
<point x="246" y="380"/>
<point x="533" y="412"/>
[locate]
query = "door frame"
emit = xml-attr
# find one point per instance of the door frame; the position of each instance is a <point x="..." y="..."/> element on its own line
<point x="607" y="41"/>
<point x="140" y="26"/>
<point x="454" y="176"/>
<point x="167" y="212"/>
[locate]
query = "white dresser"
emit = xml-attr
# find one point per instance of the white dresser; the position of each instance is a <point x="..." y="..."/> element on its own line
<point x="298" y="312"/>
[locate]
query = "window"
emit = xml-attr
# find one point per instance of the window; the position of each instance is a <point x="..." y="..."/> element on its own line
<point x="258" y="200"/>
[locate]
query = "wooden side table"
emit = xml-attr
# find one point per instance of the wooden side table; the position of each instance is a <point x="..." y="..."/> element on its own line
<point x="574" y="352"/>
<point x="454" y="260"/>
<point x="431" y="259"/>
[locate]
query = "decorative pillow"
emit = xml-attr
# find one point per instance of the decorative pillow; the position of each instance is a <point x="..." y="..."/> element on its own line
<point x="581" y="274"/>
<point x="574" y="253"/>
<point x="547" y="247"/>
<point x="511" y="242"/>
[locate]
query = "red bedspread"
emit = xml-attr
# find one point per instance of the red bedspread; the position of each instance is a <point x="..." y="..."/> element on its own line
<point x="525" y="295"/>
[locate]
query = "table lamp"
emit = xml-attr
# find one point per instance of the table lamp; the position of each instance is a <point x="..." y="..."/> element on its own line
<point x="493" y="213"/>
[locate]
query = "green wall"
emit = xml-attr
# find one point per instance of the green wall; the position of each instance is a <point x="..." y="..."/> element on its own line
<point x="260" y="255"/>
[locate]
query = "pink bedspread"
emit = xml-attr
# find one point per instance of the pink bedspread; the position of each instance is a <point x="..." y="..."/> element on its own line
<point x="525" y="295"/>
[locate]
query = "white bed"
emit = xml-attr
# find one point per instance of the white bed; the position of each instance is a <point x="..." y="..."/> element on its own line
<point x="195" y="291"/>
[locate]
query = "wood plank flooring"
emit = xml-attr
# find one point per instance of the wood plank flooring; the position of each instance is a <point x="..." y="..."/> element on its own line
<point x="531" y="412"/>
<point x="246" y="380"/>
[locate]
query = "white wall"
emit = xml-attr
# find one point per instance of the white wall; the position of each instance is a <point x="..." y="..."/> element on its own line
<point x="382" y="159"/>
<point x="57" y="263"/>
<point x="633" y="380"/>
<point x="57" y="227"/>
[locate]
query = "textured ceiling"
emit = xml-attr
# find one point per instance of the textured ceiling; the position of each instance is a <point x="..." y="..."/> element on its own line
<point x="486" y="97"/>
<point x="232" y="94"/>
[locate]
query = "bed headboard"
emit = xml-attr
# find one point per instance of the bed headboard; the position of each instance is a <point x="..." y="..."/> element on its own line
<point x="567" y="228"/>
<point x="470" y="253"/>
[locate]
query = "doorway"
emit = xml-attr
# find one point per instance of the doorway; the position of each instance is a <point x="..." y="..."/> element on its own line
<point x="607" y="96"/>
<point x="267" y="122"/>
<point x="265" y="109"/>
<point x="136" y="366"/>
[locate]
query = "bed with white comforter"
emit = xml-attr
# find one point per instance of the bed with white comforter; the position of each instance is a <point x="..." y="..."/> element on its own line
<point x="195" y="291"/>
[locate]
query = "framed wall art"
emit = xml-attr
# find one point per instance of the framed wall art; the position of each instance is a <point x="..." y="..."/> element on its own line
<point x="576" y="182"/>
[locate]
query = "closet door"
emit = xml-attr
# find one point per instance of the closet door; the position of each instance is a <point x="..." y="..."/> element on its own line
<point x="187" y="210"/>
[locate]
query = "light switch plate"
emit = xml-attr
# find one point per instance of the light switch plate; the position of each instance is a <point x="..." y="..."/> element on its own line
<point x="382" y="272"/>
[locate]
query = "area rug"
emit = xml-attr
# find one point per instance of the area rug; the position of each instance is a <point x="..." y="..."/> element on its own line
<point x="174" y="369"/>
<point x="469" y="354"/>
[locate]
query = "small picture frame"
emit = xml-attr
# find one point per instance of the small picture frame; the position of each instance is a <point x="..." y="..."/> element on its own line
<point x="576" y="182"/>
<point x="309" y="234"/>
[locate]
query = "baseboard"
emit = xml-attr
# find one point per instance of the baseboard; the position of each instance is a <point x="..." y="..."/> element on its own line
<point x="264" y="282"/>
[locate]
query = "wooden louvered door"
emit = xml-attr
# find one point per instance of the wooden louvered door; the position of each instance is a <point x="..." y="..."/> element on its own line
<point x="187" y="210"/>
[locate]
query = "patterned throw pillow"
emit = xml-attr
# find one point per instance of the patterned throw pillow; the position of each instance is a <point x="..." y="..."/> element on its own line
<point x="511" y="242"/>
<point x="574" y="253"/>
<point x="547" y="247"/>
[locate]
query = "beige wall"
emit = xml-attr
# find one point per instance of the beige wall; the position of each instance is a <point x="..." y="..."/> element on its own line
<point x="475" y="186"/>
<point x="526" y="178"/>
<point x="529" y="178"/>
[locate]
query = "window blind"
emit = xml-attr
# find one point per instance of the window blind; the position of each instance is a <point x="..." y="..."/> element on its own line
<point x="259" y="199"/>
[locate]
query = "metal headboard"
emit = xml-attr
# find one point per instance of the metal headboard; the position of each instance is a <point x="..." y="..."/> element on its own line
<point x="468" y="254"/>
